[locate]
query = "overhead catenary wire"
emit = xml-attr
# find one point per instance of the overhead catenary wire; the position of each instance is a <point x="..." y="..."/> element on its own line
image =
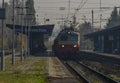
<point x="52" y="9"/>
<point x="72" y="2"/>
<point x="80" y="6"/>
<point x="49" y="13"/>
<point x="72" y="8"/>
<point x="56" y="8"/>
<point x="81" y="13"/>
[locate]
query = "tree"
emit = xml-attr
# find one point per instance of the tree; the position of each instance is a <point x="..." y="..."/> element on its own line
<point x="30" y="12"/>
<point x="114" y="19"/>
<point x="85" y="28"/>
<point x="17" y="3"/>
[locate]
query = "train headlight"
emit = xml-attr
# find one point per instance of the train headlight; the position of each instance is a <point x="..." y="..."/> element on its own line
<point x="75" y="46"/>
<point x="68" y="32"/>
<point x="62" y="46"/>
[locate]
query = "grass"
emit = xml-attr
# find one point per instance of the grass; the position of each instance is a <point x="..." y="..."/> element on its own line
<point x="37" y="72"/>
<point x="114" y="77"/>
<point x="9" y="66"/>
<point x="21" y="78"/>
<point x="39" y="67"/>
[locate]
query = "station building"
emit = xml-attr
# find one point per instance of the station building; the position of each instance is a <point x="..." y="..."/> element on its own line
<point x="106" y="40"/>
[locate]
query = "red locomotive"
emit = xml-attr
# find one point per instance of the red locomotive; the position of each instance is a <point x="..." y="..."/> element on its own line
<point x="67" y="41"/>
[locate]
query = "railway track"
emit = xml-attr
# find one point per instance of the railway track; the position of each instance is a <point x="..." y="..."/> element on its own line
<point x="88" y="75"/>
<point x="78" y="75"/>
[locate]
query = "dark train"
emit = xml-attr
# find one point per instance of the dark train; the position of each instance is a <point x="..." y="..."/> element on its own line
<point x="67" y="41"/>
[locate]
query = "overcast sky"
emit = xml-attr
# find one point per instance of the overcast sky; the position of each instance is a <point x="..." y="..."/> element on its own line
<point x="4" y="0"/>
<point x="51" y="9"/>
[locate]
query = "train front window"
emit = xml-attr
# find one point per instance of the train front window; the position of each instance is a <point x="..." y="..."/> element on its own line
<point x="69" y="37"/>
<point x="73" y="38"/>
<point x="64" y="38"/>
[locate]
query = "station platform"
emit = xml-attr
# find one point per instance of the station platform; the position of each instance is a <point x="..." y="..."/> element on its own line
<point x="102" y="54"/>
<point x="56" y="69"/>
<point x="104" y="57"/>
<point x="58" y="72"/>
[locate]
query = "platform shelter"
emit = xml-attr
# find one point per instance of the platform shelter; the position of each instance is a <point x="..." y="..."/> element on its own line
<point x="36" y="35"/>
<point x="106" y="40"/>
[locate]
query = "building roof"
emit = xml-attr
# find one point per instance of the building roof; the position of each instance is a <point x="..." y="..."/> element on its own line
<point x="45" y="29"/>
<point x="113" y="30"/>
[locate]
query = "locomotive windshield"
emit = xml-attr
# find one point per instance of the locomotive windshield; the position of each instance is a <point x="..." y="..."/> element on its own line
<point x="64" y="37"/>
<point x="70" y="37"/>
<point x="73" y="38"/>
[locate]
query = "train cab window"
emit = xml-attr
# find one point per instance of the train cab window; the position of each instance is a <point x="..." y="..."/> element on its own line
<point x="64" y="37"/>
<point x="73" y="37"/>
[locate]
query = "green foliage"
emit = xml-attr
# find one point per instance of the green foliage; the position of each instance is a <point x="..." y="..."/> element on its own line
<point x="114" y="77"/>
<point x="36" y="72"/>
<point x="22" y="78"/>
<point x="17" y="72"/>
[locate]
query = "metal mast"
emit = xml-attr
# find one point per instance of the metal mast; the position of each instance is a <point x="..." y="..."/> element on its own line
<point x="92" y="18"/>
<point x="100" y="15"/>
<point x="3" y="55"/>
<point x="22" y="32"/>
<point x="13" y="35"/>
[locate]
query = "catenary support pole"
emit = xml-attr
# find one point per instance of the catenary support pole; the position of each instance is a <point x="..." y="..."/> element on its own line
<point x="3" y="54"/>
<point x="13" y="35"/>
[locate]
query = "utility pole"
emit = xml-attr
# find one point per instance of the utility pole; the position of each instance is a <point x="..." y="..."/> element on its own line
<point x="62" y="18"/>
<point x="92" y="18"/>
<point x="28" y="33"/>
<point x="84" y="18"/>
<point x="45" y="15"/>
<point x="28" y="37"/>
<point x="22" y="32"/>
<point x="69" y="8"/>
<point x="100" y="21"/>
<point x="29" y="18"/>
<point x="3" y="54"/>
<point x="23" y="22"/>
<point x="13" y="35"/>
<point x="28" y="23"/>
<point x="100" y="15"/>
<point x="25" y="37"/>
<point x="74" y="20"/>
